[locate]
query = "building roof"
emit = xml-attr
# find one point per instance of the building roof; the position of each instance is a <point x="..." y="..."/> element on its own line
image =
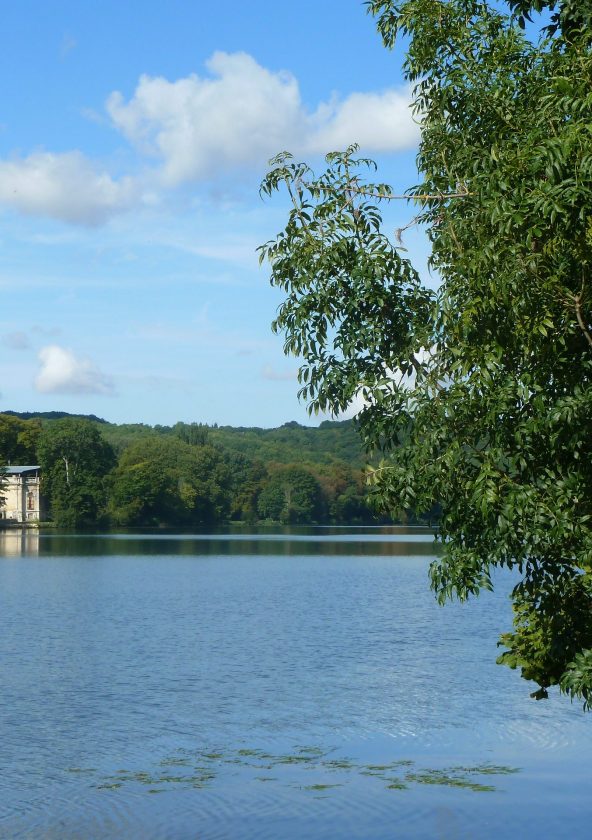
<point x="20" y="470"/>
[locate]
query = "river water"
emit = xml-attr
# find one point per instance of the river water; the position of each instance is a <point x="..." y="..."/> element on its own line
<point x="279" y="685"/>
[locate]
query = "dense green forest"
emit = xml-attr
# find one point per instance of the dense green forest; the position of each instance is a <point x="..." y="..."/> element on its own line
<point x="190" y="474"/>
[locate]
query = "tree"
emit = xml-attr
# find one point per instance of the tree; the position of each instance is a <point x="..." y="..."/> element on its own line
<point x="143" y="487"/>
<point x="74" y="461"/>
<point x="479" y="395"/>
<point x="291" y="496"/>
<point x="194" y="433"/>
<point x="18" y="439"/>
<point x="162" y="480"/>
<point x="343" y="489"/>
<point x="247" y="480"/>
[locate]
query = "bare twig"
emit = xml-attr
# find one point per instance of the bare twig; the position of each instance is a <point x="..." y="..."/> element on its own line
<point x="400" y="231"/>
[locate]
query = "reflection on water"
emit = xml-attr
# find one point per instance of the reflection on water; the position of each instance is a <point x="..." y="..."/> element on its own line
<point x="268" y="685"/>
<point x="233" y="545"/>
<point x="16" y="542"/>
<point x="396" y="541"/>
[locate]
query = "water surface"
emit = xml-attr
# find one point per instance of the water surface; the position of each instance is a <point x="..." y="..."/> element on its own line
<point x="268" y="685"/>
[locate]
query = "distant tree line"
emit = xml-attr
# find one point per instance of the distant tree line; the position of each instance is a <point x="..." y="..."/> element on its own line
<point x="97" y="473"/>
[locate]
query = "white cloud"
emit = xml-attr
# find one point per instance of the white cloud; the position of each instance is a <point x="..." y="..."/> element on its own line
<point x="195" y="129"/>
<point x="379" y="122"/>
<point x="196" y="125"/>
<point x="64" y="186"/>
<point x="62" y="373"/>
<point x="357" y="403"/>
<point x="245" y="113"/>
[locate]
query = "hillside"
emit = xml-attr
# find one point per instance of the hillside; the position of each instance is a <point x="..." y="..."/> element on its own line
<point x="190" y="473"/>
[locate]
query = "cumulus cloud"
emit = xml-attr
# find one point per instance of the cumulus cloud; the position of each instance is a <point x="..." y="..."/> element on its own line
<point x="198" y="124"/>
<point x="379" y="122"/>
<point x="193" y="129"/>
<point x="62" y="372"/>
<point x="64" y="186"/>
<point x="244" y="113"/>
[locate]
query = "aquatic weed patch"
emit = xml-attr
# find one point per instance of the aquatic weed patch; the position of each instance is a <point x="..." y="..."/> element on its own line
<point x="447" y="779"/>
<point x="310" y="769"/>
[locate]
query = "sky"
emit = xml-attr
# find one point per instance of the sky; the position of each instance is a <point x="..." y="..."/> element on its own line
<point x="133" y="139"/>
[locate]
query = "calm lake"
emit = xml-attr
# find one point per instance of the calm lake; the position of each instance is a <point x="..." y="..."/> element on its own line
<point x="278" y="685"/>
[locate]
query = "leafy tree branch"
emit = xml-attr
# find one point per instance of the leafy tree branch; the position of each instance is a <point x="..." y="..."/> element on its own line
<point x="478" y="397"/>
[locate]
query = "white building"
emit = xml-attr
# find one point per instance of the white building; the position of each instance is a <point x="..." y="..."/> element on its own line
<point x="21" y="498"/>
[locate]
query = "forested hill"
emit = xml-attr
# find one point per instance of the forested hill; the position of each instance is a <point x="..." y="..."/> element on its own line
<point x="327" y="443"/>
<point x="52" y="415"/>
<point x="332" y="440"/>
<point x="190" y="474"/>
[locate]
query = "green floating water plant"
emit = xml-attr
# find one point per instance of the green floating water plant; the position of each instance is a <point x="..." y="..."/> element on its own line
<point x="175" y="762"/>
<point x="488" y="770"/>
<point x="444" y="777"/>
<point x="339" y="764"/>
<point x="310" y="759"/>
<point x="318" y="751"/>
<point x="294" y="759"/>
<point x="319" y="787"/>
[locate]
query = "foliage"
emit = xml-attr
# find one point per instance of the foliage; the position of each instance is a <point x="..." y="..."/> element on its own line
<point x="194" y="474"/>
<point x="18" y="439"/>
<point x="292" y="496"/>
<point x="248" y="478"/>
<point x="328" y="443"/>
<point x="479" y="396"/>
<point x="331" y="452"/>
<point x="18" y="443"/>
<point x="53" y="415"/>
<point x="163" y="480"/>
<point x="124" y="435"/>
<point x="74" y="461"/>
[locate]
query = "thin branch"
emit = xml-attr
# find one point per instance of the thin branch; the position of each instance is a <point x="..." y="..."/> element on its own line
<point x="463" y="193"/>
<point x="298" y="208"/>
<point x="417" y="366"/>
<point x="400" y="231"/>
<point x="578" y="305"/>
<point x="350" y="201"/>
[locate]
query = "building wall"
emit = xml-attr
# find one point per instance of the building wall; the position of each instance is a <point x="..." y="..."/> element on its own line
<point x="21" y="498"/>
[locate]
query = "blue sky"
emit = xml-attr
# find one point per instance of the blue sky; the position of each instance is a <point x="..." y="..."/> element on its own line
<point x="133" y="137"/>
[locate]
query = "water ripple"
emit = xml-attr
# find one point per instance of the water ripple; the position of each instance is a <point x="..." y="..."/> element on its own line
<point x="120" y="661"/>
